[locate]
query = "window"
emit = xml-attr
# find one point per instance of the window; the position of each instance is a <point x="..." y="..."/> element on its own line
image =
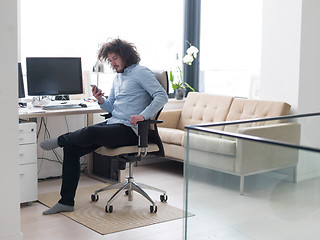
<point x="77" y="28"/>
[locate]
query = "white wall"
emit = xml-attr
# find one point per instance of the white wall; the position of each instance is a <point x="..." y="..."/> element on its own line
<point x="9" y="176"/>
<point x="309" y="97"/>
<point x="280" y="54"/>
<point x="290" y="66"/>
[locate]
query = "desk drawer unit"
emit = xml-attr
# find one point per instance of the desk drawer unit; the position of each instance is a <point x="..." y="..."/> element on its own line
<point x="27" y="153"/>
<point x="28" y="162"/>
<point x="27" y="133"/>
<point x="28" y="183"/>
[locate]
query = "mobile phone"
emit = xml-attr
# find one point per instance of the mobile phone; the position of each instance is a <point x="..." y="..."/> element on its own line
<point x="93" y="85"/>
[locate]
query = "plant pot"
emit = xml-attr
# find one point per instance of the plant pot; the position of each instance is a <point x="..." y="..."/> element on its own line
<point x="179" y="93"/>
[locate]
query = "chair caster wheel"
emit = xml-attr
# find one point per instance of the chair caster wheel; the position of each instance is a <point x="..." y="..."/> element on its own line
<point x="94" y="198"/>
<point x="109" y="209"/>
<point x="164" y="198"/>
<point x="153" y="208"/>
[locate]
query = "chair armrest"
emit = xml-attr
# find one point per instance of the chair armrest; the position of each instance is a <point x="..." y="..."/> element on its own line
<point x="143" y="129"/>
<point x="146" y="122"/>
<point x="170" y="118"/>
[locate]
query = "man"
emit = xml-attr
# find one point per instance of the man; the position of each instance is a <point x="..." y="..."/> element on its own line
<point x="135" y="95"/>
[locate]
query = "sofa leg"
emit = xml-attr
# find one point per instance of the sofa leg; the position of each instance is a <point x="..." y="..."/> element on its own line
<point x="241" y="185"/>
<point x="295" y="174"/>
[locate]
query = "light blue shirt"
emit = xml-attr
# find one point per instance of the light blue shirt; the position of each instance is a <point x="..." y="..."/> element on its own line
<point x="136" y="91"/>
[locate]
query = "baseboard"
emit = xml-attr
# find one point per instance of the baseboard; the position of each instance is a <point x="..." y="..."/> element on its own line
<point x="307" y="176"/>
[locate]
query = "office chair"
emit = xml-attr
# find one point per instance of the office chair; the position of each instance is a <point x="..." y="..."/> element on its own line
<point x="149" y="143"/>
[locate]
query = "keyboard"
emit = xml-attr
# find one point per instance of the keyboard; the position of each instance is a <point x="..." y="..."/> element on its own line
<point x="61" y="106"/>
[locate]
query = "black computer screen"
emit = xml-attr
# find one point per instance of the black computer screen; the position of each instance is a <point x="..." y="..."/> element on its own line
<point x="54" y="76"/>
<point x="21" y="92"/>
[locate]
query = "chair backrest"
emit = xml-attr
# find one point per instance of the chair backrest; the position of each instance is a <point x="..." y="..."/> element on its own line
<point x="153" y="135"/>
<point x="162" y="77"/>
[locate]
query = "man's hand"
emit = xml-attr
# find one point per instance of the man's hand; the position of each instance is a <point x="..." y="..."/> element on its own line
<point x="136" y="118"/>
<point x="98" y="94"/>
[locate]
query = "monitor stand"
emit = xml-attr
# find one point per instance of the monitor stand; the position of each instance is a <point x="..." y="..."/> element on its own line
<point x="62" y="97"/>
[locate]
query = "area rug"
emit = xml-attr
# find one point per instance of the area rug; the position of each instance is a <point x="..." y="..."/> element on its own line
<point x="126" y="214"/>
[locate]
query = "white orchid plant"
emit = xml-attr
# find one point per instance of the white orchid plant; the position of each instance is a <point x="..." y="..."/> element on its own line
<point x="191" y="54"/>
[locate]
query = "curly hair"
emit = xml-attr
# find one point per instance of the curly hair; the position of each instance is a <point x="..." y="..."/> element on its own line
<point x="127" y="51"/>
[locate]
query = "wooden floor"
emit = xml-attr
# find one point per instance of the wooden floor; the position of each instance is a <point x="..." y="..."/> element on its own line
<point x="272" y="208"/>
<point x="168" y="176"/>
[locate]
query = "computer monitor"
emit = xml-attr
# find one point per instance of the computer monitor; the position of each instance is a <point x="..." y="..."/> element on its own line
<point x="21" y="93"/>
<point x="52" y="76"/>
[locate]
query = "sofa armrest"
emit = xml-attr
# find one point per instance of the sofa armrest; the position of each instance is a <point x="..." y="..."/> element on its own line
<point x="253" y="156"/>
<point x="285" y="132"/>
<point x="170" y="118"/>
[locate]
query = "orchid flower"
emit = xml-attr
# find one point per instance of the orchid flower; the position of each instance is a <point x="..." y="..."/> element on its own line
<point x="187" y="59"/>
<point x="192" y="52"/>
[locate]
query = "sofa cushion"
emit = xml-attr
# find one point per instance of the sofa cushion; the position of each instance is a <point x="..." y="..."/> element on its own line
<point x="250" y="109"/>
<point x="209" y="143"/>
<point x="170" y="135"/>
<point x="204" y="108"/>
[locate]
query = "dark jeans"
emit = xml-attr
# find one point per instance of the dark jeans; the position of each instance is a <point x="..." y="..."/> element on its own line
<point x="84" y="141"/>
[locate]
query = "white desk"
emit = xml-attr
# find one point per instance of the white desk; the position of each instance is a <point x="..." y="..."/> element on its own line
<point x="35" y="113"/>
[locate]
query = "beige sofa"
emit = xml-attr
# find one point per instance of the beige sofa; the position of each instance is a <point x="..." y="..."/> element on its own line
<point x="227" y="154"/>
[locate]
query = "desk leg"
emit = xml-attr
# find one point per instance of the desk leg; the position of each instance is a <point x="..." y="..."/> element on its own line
<point x="90" y="155"/>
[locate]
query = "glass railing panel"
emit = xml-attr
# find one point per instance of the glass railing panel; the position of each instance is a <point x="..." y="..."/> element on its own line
<point x="279" y="197"/>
